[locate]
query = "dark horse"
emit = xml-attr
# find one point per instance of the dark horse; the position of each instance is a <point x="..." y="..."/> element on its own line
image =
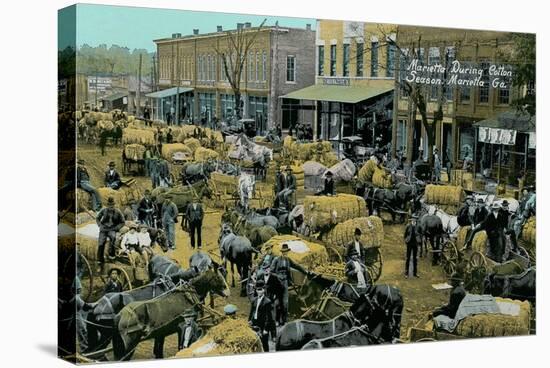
<point x="160" y="317"/>
<point x="162" y="266"/>
<point x="202" y="262"/>
<point x="522" y="286"/>
<point x="238" y="251"/>
<point x="100" y="318"/>
<point x="357" y="336"/>
<point x="430" y="228"/>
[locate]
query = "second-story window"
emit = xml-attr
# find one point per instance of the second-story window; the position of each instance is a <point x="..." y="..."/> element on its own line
<point x="345" y="60"/>
<point x="321" y="61"/>
<point x="291" y="68"/>
<point x="374" y="59"/>
<point x="332" y="60"/>
<point x="390" y="60"/>
<point x="484" y="90"/>
<point x="258" y="66"/>
<point x="264" y="66"/>
<point x="359" y="59"/>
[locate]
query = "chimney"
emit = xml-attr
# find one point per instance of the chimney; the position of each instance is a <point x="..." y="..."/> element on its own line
<point x="196" y="31"/>
<point x="219" y="29"/>
<point x="248" y="25"/>
<point x="308" y="27"/>
<point x="240" y="25"/>
<point x="174" y="35"/>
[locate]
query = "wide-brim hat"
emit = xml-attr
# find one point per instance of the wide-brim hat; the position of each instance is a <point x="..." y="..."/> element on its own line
<point x="110" y="201"/>
<point x="353" y="252"/>
<point x="230" y="309"/>
<point x="288" y="168"/>
<point x="112" y="163"/>
<point x="357" y="231"/>
<point x="328" y="173"/>
<point x="189" y="313"/>
<point x="480" y="200"/>
<point x="495" y="206"/>
<point x="414" y="217"/>
<point x="285" y="248"/>
<point x="260" y="284"/>
<point x="504" y="203"/>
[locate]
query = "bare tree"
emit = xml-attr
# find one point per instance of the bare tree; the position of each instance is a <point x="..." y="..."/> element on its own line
<point x="234" y="55"/>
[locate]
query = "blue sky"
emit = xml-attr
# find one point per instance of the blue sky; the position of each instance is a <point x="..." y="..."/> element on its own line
<point x="138" y="27"/>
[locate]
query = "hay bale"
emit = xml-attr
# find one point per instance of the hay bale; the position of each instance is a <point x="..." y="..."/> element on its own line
<point x="169" y="149"/>
<point x="461" y="237"/>
<point x="305" y="253"/>
<point x="231" y="336"/>
<point x="490" y="325"/>
<point x="134" y="151"/>
<point x="529" y="233"/>
<point x="372" y="232"/>
<point x="141" y="136"/>
<point x="367" y="171"/>
<point x="321" y="211"/>
<point x="203" y="154"/>
<point x="381" y="179"/>
<point x="479" y="243"/>
<point x="444" y="194"/>
<point x="192" y="143"/>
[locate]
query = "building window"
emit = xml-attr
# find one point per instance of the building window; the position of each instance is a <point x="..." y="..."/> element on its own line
<point x="465" y="91"/>
<point x="291" y="69"/>
<point x="321" y="61"/>
<point x="258" y="66"/>
<point x="222" y="69"/>
<point x="450" y="55"/>
<point x="433" y="59"/>
<point x="332" y="60"/>
<point x="403" y="62"/>
<point x="374" y="59"/>
<point x="214" y="68"/>
<point x="503" y="96"/>
<point x="401" y="144"/>
<point x="251" y="66"/>
<point x="466" y="140"/>
<point x="390" y="60"/>
<point x="530" y="90"/>
<point x="264" y="66"/>
<point x="227" y="106"/>
<point x="345" y="60"/>
<point x="484" y="90"/>
<point x="359" y="59"/>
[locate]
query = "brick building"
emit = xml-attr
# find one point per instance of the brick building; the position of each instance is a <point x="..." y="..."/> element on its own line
<point x="278" y="62"/>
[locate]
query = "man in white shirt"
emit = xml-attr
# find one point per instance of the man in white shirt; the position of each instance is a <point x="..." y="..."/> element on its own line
<point x="130" y="240"/>
<point x="356" y="246"/>
<point x="145" y="243"/>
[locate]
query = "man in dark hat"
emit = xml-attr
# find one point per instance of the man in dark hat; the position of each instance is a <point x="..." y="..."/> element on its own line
<point x="145" y="209"/>
<point x="83" y="182"/>
<point x="480" y="214"/>
<point x="412" y="241"/>
<point x="188" y="331"/>
<point x="329" y="185"/>
<point x="357" y="272"/>
<point x="356" y="246"/>
<point x="112" y="178"/>
<point x="457" y="294"/>
<point x="261" y="315"/>
<point x="110" y="220"/>
<point x="194" y="215"/>
<point x="280" y="184"/>
<point x="113" y="284"/>
<point x="281" y="267"/>
<point x="169" y="216"/>
<point x="494" y="225"/>
<point x="290" y="187"/>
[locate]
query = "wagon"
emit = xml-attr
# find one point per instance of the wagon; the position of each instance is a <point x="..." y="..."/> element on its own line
<point x="133" y="159"/>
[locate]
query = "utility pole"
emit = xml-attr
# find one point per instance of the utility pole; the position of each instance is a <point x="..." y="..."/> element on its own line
<point x="138" y="98"/>
<point x="178" y="86"/>
<point x="273" y="85"/>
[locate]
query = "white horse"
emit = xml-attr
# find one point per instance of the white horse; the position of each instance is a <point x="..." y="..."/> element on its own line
<point x="247" y="184"/>
<point x="450" y="223"/>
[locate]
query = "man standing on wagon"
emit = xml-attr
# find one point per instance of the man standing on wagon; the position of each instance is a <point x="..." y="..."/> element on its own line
<point x="110" y="220"/>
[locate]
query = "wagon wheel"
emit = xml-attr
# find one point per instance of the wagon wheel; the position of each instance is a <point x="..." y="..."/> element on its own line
<point x="85" y="272"/>
<point x="450" y="257"/>
<point x="477" y="270"/>
<point x="374" y="263"/>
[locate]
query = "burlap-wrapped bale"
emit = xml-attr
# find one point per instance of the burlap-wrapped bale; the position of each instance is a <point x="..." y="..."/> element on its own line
<point x="324" y="210"/>
<point x="372" y="232"/>
<point x="134" y="151"/>
<point x="313" y="168"/>
<point x="169" y="149"/>
<point x="529" y="233"/>
<point x="231" y="336"/>
<point x="367" y="171"/>
<point x="344" y="170"/>
<point x="107" y="125"/>
<point x="203" y="154"/>
<point x="381" y="179"/>
<point x="489" y="325"/>
<point x="141" y="136"/>
<point x="444" y="194"/>
<point x="307" y="254"/>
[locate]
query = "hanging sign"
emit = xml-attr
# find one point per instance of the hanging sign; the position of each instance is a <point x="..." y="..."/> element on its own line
<point x="497" y="136"/>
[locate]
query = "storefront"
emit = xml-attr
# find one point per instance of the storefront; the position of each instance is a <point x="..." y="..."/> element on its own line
<point x="344" y="111"/>
<point x="257" y="110"/>
<point x="207" y="107"/>
<point x="505" y="148"/>
<point x="164" y="102"/>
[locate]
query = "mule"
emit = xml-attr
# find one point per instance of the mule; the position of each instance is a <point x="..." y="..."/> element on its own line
<point x="238" y="251"/>
<point x="522" y="286"/>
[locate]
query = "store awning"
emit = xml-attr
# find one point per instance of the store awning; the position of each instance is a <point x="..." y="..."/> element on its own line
<point x="114" y="96"/>
<point x="168" y="92"/>
<point x="511" y="120"/>
<point x="348" y="94"/>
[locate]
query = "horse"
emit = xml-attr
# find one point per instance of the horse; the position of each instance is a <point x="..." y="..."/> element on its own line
<point x="162" y="266"/>
<point x="357" y="336"/>
<point x="238" y="251"/>
<point x="407" y="192"/>
<point x="294" y="335"/>
<point x="260" y="162"/>
<point x="522" y="286"/>
<point x="100" y="318"/>
<point x="247" y="184"/>
<point x="159" y="317"/>
<point x="378" y="198"/>
<point x="193" y="172"/>
<point x="182" y="195"/>
<point x="430" y="228"/>
<point x="450" y="223"/>
<point x="202" y="262"/>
